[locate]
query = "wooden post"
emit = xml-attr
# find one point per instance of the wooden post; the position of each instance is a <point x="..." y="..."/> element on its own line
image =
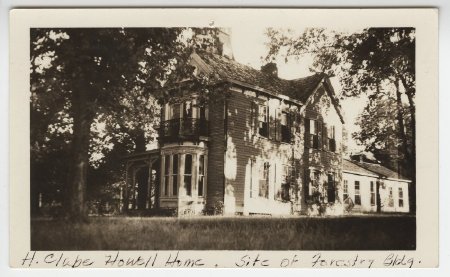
<point x="149" y="184"/>
<point x="125" y="197"/>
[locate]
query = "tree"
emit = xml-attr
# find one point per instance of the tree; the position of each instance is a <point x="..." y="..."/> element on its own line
<point x="86" y="74"/>
<point x="379" y="124"/>
<point x="98" y="89"/>
<point x="365" y="62"/>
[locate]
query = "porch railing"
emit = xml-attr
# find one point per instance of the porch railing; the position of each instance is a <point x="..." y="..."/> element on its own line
<point x="183" y="128"/>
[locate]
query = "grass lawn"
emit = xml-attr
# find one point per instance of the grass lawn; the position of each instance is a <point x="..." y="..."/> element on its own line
<point x="221" y="233"/>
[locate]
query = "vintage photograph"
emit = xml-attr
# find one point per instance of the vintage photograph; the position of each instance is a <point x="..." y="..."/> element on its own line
<point x="222" y="138"/>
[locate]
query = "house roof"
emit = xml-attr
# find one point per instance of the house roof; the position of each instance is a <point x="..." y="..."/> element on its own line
<point x="382" y="171"/>
<point x="371" y="168"/>
<point x="354" y="168"/>
<point x="299" y="89"/>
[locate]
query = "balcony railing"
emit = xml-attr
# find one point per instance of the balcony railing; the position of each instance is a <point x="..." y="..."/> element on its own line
<point x="183" y="128"/>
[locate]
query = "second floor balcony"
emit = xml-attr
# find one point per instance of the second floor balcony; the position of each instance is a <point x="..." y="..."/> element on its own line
<point x="183" y="129"/>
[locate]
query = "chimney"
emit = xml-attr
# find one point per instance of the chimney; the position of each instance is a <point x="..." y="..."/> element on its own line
<point x="270" y="68"/>
<point x="224" y="44"/>
<point x="220" y="45"/>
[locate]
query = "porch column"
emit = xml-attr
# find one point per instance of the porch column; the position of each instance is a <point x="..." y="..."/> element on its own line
<point x="125" y="191"/>
<point x="149" y="185"/>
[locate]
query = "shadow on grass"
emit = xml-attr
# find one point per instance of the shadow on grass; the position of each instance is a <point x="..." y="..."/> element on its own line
<point x="221" y="233"/>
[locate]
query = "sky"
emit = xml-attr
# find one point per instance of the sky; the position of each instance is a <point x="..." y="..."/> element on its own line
<point x="249" y="48"/>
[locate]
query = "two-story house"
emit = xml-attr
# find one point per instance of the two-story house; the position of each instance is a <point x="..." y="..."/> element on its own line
<point x="267" y="146"/>
<point x="261" y="145"/>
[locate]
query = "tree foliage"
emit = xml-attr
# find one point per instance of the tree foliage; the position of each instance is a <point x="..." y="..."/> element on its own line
<point x="373" y="61"/>
<point x="94" y="99"/>
<point x="366" y="61"/>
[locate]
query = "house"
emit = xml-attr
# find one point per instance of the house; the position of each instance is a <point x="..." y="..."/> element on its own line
<point x="262" y="145"/>
<point x="371" y="187"/>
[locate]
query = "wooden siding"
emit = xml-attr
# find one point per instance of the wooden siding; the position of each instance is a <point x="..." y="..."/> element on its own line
<point x="245" y="151"/>
<point x="320" y="108"/>
<point x="216" y="150"/>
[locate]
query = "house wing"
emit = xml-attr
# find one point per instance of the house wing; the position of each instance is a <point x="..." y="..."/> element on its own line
<point x="382" y="171"/>
<point x="323" y="80"/>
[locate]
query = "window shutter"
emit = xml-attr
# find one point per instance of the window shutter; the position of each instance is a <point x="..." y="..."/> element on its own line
<point x="254" y="118"/>
<point x="306" y="183"/>
<point x="278" y="125"/>
<point x="272" y="124"/>
<point x="292" y="123"/>
<point x="319" y="133"/>
<point x="307" y="135"/>
<point x="325" y="136"/>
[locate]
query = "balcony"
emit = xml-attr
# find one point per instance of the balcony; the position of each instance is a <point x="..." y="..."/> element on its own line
<point x="183" y="128"/>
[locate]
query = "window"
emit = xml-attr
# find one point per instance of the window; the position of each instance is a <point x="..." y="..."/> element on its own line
<point x="311" y="183"/>
<point x="314" y="183"/>
<point x="285" y="127"/>
<point x="263" y="120"/>
<point x="188" y="174"/>
<point x="172" y="111"/>
<point x="283" y="193"/>
<point x="357" y="194"/>
<point x="201" y="175"/>
<point x="187" y="109"/>
<point x="345" y="189"/>
<point x="391" y="198"/>
<point x="331" y="139"/>
<point x="331" y="193"/>
<point x="264" y="180"/>
<point x="175" y="175"/>
<point x="314" y="130"/>
<point x="372" y="193"/>
<point x="400" y="197"/>
<point x="166" y="174"/>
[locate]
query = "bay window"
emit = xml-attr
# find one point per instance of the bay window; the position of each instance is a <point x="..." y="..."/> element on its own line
<point x="166" y="175"/>
<point x="175" y="175"/>
<point x="192" y="176"/>
<point x="201" y="175"/>
<point x="188" y="174"/>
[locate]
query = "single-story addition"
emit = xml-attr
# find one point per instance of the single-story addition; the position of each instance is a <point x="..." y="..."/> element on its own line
<point x="370" y="187"/>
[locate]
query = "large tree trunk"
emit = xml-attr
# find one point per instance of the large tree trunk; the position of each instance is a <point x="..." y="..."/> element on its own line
<point x="77" y="182"/>
<point x="401" y="124"/>
<point x="410" y="92"/>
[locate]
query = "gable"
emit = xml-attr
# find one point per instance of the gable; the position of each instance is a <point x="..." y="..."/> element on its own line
<point x="323" y="101"/>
